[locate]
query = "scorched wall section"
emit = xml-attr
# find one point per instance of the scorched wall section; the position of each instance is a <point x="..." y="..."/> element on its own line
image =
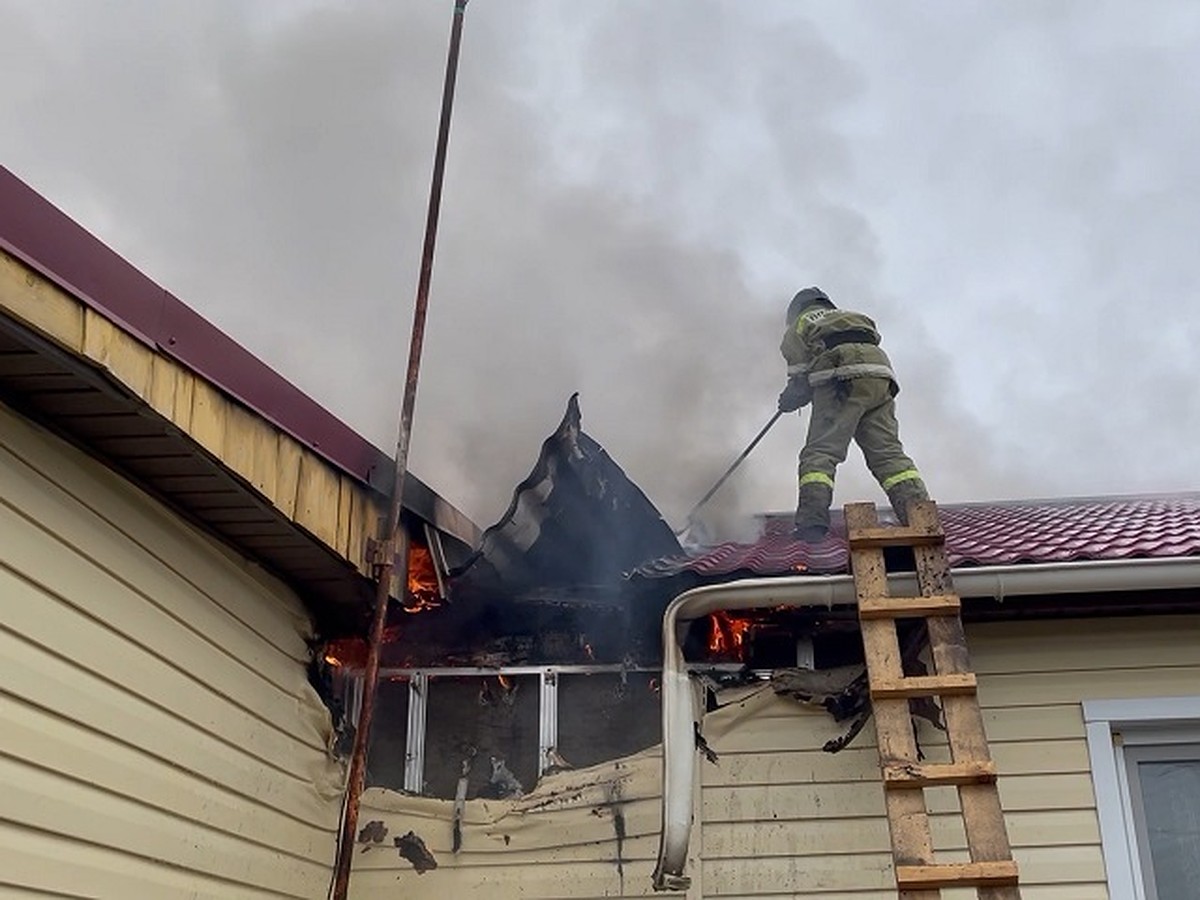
<point x="778" y="817"/>
<point x="160" y="737"/>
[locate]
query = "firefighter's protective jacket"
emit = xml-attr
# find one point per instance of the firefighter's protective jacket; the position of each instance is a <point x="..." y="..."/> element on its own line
<point x="824" y="345"/>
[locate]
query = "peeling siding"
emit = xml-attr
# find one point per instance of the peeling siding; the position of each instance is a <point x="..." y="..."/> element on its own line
<point x="778" y="817"/>
<point x="160" y="737"/>
<point x="560" y="841"/>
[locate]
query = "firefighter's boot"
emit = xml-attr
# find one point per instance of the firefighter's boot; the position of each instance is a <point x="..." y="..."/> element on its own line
<point x="904" y="493"/>
<point x="812" y="512"/>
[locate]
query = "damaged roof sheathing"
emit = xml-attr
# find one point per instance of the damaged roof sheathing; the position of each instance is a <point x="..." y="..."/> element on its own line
<point x="577" y="520"/>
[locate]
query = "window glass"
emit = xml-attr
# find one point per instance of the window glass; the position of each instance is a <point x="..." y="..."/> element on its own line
<point x="1164" y="786"/>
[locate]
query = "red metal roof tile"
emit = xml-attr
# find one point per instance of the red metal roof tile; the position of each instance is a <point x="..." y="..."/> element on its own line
<point x="983" y="534"/>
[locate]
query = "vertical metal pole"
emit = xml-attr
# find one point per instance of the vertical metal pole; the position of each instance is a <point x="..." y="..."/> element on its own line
<point x="547" y="718"/>
<point x="395" y="540"/>
<point x="355" y="693"/>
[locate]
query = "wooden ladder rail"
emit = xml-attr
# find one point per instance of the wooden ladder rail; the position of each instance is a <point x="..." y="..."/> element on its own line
<point x="991" y="870"/>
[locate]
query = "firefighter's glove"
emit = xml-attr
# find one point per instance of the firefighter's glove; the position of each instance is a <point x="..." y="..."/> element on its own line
<point x="795" y="395"/>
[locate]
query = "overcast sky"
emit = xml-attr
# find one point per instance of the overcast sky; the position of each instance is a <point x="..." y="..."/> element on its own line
<point x="634" y="191"/>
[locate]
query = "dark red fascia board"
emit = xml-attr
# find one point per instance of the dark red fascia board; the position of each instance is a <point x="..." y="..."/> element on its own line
<point x="46" y="239"/>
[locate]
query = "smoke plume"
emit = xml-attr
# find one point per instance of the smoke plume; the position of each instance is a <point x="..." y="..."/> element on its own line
<point x="633" y="193"/>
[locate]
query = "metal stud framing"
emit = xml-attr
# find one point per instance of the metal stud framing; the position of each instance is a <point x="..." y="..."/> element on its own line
<point x="414" y="753"/>
<point x="547" y="718"/>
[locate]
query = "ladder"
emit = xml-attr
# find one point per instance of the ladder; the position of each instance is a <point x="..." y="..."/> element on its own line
<point x="991" y="869"/>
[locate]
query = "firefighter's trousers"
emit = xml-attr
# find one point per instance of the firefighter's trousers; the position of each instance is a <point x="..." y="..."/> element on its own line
<point x="861" y="409"/>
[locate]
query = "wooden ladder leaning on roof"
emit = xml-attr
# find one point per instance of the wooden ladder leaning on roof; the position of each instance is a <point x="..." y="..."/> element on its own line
<point x="918" y="877"/>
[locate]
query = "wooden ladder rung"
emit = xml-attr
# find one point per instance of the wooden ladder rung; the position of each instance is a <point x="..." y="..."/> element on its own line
<point x="950" y="685"/>
<point x="902" y="776"/>
<point x="947" y="875"/>
<point x="909" y="607"/>
<point x="903" y="536"/>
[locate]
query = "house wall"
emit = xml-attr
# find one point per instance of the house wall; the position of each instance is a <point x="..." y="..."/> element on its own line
<point x="159" y="736"/>
<point x="779" y="817"/>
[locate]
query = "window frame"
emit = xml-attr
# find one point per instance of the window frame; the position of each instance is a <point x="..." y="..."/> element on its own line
<point x="418" y="703"/>
<point x="549" y="681"/>
<point x="1110" y="726"/>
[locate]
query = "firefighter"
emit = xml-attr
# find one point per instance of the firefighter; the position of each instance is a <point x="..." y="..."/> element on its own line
<point x="835" y="362"/>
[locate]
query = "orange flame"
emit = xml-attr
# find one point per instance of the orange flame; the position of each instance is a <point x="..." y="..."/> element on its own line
<point x="727" y="634"/>
<point x="423" y="591"/>
<point x="350" y="652"/>
<point x="505" y="682"/>
<point x="422" y="594"/>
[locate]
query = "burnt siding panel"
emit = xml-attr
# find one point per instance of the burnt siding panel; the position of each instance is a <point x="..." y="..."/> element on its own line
<point x="580" y="834"/>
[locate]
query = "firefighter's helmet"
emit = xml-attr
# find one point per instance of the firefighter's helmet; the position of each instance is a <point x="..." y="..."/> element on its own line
<point x="804" y="299"/>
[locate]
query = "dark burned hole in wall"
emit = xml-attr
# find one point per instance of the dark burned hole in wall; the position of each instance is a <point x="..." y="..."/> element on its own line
<point x="764" y="639"/>
<point x="547" y="587"/>
<point x="481" y="719"/>
<point x="478" y="717"/>
<point x="606" y="716"/>
<point x="601" y="717"/>
<point x="385" y="755"/>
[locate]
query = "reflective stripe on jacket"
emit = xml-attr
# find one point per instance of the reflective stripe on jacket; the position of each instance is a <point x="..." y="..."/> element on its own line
<point x="829" y="344"/>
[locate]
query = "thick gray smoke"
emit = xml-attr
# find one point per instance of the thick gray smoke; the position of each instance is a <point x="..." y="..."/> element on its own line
<point x="634" y="191"/>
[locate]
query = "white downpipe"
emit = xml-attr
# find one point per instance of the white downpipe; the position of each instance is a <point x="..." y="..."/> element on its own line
<point x="680" y="716"/>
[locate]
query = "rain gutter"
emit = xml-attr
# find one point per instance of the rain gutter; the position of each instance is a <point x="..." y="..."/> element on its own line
<point x="680" y="711"/>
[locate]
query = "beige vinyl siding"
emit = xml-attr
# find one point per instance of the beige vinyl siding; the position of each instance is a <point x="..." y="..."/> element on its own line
<point x="160" y="737"/>
<point x="780" y="817"/>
